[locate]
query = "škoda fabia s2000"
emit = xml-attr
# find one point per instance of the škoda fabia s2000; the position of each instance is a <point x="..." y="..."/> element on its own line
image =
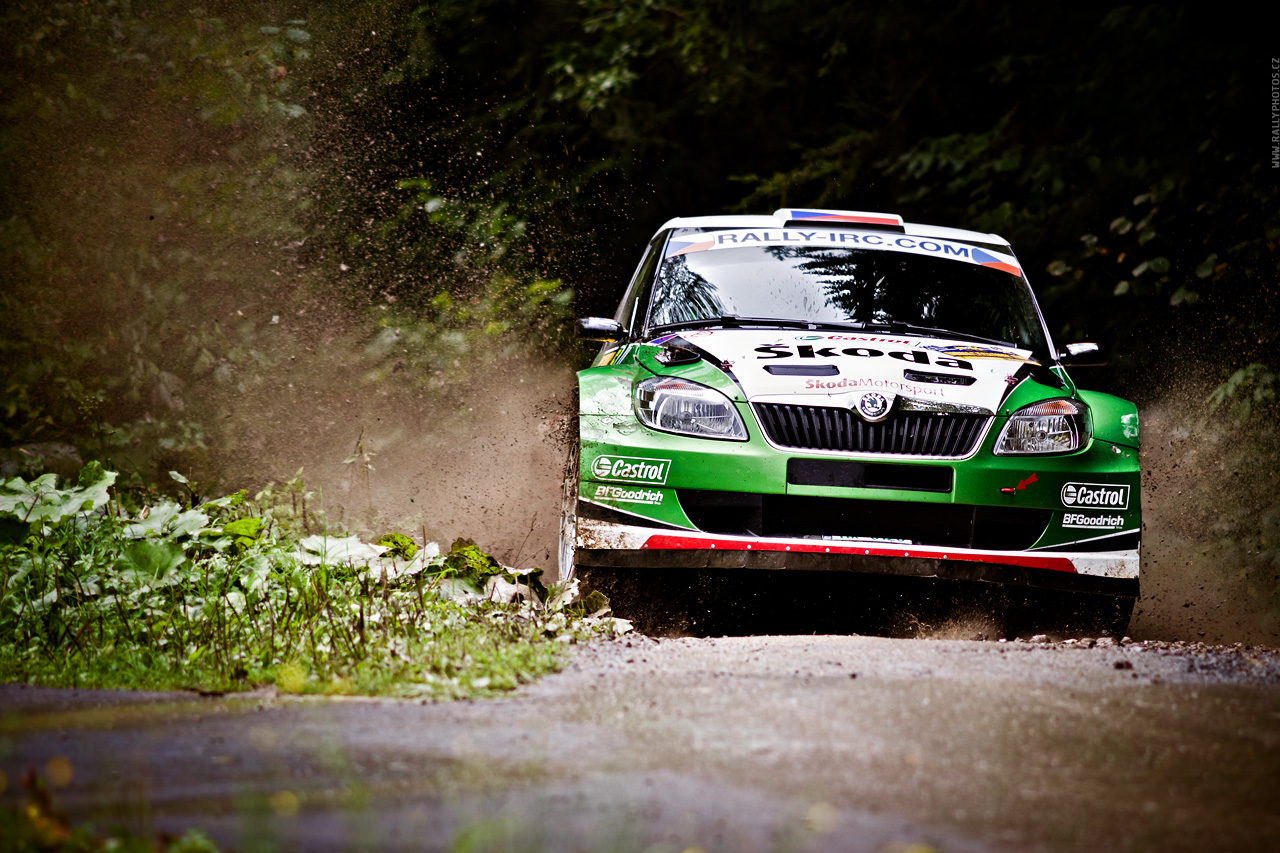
<point x="844" y="391"/>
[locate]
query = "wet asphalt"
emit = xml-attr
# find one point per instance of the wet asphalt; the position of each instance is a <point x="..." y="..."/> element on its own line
<point x="782" y="743"/>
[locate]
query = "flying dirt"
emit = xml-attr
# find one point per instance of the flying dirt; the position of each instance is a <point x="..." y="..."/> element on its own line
<point x="489" y="466"/>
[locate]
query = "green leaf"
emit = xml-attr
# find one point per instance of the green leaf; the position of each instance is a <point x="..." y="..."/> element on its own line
<point x="189" y="523"/>
<point x="469" y="563"/>
<point x="298" y="36"/>
<point x="155" y="524"/>
<point x="1160" y="265"/>
<point x="42" y="501"/>
<point x="150" y="559"/>
<point x="249" y="528"/>
<point x="399" y="545"/>
<point x="227" y="500"/>
<point x="92" y="474"/>
<point x="1207" y="266"/>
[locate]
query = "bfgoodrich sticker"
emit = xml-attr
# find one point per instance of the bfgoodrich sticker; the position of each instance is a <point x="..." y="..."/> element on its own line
<point x="1096" y="495"/>
<point x="631" y="469"/>
<point x="1087" y="521"/>
<point x="623" y="494"/>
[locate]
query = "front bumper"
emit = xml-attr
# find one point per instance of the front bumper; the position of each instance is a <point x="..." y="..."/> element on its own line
<point x="632" y="546"/>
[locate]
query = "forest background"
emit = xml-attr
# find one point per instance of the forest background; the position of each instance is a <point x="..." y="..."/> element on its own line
<point x="234" y="235"/>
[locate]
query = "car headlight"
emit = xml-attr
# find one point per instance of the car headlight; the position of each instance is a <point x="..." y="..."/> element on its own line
<point x="1054" y="426"/>
<point x="678" y="405"/>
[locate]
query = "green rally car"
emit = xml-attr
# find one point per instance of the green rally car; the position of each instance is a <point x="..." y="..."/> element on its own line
<point x="840" y="390"/>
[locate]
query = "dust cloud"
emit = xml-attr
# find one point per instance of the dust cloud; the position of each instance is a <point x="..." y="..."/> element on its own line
<point x="1199" y="582"/>
<point x="488" y="465"/>
<point x="484" y="463"/>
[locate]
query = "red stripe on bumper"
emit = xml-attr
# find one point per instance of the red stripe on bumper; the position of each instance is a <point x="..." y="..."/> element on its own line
<point x="666" y="541"/>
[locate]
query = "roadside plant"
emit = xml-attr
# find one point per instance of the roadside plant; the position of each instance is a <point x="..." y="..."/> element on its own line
<point x="230" y="594"/>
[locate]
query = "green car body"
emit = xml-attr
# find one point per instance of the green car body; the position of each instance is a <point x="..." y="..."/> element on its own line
<point x="870" y="447"/>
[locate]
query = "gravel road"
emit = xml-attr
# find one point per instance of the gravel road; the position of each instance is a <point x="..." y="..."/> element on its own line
<point x="748" y="743"/>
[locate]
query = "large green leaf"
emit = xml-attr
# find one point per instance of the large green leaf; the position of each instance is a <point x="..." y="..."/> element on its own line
<point x="148" y="560"/>
<point x="42" y="501"/>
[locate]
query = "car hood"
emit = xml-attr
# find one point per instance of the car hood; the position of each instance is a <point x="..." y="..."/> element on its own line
<point x="815" y="367"/>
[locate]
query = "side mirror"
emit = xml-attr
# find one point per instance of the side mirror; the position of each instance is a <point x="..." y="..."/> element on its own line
<point x="599" y="329"/>
<point x="1084" y="354"/>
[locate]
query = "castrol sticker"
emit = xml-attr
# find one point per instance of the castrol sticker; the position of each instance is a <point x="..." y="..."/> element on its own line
<point x="631" y="469"/>
<point x="1096" y="495"/>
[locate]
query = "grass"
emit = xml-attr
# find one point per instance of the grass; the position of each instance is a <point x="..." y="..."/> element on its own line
<point x="233" y="593"/>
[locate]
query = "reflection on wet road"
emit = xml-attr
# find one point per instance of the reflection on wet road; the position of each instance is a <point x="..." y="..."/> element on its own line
<point x="747" y="743"/>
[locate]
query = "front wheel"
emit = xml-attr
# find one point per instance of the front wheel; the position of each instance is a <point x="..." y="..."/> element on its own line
<point x="569" y="515"/>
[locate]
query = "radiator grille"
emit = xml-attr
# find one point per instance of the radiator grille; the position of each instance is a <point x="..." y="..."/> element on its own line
<point x="939" y="434"/>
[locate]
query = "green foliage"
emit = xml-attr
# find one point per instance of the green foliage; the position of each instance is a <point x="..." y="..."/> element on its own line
<point x="166" y="174"/>
<point x="42" y="504"/>
<point x="145" y="149"/>
<point x="950" y="114"/>
<point x="469" y="563"/>
<point x="212" y="597"/>
<point x="399" y="545"/>
<point x="244" y="531"/>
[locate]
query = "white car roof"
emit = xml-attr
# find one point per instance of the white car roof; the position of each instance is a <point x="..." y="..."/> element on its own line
<point x="843" y="219"/>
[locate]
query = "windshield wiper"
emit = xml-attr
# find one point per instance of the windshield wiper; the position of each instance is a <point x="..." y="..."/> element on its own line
<point x="896" y="328"/>
<point x="733" y="321"/>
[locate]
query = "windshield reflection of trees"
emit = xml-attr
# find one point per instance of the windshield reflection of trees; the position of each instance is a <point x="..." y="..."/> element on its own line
<point x="680" y="295"/>
<point x="880" y="287"/>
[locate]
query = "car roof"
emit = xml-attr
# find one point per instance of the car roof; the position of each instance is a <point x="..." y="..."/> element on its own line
<point x="839" y="218"/>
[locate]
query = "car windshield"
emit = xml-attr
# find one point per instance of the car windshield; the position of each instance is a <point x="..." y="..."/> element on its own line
<point x="845" y="287"/>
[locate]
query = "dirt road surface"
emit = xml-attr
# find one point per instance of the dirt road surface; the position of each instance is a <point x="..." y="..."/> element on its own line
<point x="747" y="743"/>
